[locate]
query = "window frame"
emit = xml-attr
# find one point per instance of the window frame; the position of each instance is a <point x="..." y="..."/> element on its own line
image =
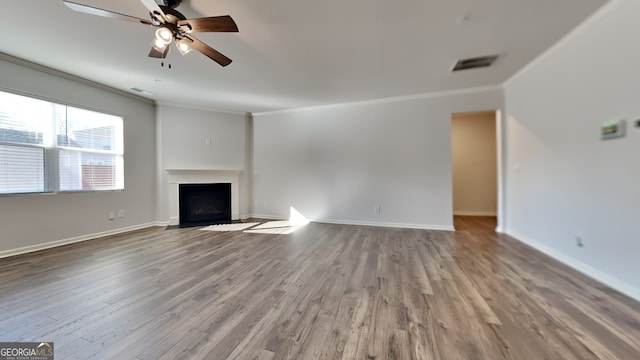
<point x="51" y="158"/>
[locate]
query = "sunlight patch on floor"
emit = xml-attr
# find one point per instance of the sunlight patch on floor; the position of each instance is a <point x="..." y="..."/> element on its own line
<point x="230" y="227"/>
<point x="275" y="231"/>
<point x="295" y="222"/>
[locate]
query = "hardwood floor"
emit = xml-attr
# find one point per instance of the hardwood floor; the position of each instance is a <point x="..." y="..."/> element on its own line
<point x="322" y="292"/>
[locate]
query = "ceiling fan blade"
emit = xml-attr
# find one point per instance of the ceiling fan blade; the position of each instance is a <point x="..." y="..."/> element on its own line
<point x="104" y="13"/>
<point x="154" y="8"/>
<point x="209" y="24"/>
<point x="209" y="52"/>
<point x="154" y="53"/>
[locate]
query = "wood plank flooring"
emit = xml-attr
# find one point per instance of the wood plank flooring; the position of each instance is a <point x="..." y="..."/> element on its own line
<point x="323" y="292"/>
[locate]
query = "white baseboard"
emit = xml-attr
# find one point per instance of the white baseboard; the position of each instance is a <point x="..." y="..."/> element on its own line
<point x="268" y="217"/>
<point x="52" y="244"/>
<point x="475" y="213"/>
<point x="365" y="223"/>
<point x="385" y="224"/>
<point x="591" y="272"/>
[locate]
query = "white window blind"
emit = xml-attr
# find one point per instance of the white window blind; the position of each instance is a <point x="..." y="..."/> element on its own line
<point x="91" y="151"/>
<point x="49" y="147"/>
<point x="21" y="169"/>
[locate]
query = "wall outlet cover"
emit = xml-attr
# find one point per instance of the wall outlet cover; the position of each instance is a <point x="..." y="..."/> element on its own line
<point x="612" y="129"/>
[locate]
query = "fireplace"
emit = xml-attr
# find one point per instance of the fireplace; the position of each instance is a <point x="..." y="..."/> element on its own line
<point x="204" y="204"/>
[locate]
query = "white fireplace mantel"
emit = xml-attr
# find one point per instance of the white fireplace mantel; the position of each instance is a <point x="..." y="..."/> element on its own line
<point x="201" y="176"/>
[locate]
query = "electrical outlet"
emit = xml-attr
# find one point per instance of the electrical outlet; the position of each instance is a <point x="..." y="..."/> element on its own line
<point x="207" y="141"/>
<point x="120" y="214"/>
<point x="376" y="209"/>
<point x="112" y="215"/>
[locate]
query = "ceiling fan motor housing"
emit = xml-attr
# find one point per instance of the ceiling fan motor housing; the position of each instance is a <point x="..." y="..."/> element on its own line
<point x="171" y="3"/>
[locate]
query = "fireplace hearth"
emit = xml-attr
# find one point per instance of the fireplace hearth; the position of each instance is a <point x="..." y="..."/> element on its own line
<point x="204" y="204"/>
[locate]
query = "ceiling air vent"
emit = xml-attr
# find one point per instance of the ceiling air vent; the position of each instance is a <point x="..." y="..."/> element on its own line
<point x="142" y="91"/>
<point x="476" y="62"/>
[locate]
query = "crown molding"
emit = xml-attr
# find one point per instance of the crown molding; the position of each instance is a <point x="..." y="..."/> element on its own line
<point x="61" y="74"/>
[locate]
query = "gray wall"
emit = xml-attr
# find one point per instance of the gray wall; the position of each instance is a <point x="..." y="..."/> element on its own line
<point x="30" y="220"/>
<point x="562" y="180"/>
<point x="336" y="163"/>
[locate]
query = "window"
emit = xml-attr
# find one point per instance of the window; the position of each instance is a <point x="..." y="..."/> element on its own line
<point x="49" y="147"/>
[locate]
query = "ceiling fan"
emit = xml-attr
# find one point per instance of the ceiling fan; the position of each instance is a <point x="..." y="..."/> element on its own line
<point x="171" y="26"/>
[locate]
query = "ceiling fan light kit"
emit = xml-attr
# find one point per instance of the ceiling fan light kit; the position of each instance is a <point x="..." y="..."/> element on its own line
<point x="171" y="25"/>
<point x="184" y="46"/>
<point x="164" y="35"/>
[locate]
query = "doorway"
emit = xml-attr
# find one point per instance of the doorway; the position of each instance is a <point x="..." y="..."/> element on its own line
<point x="475" y="155"/>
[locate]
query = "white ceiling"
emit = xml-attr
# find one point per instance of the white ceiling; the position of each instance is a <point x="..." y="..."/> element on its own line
<point x="291" y="54"/>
